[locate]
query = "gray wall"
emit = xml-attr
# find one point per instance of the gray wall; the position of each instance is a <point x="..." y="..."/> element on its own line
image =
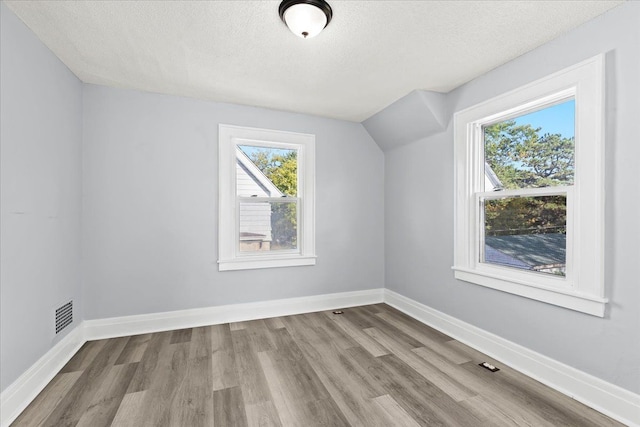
<point x="40" y="152"/>
<point x="419" y="217"/>
<point x="150" y="206"/>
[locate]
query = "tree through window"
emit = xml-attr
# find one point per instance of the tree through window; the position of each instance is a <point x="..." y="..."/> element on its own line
<point x="531" y="151"/>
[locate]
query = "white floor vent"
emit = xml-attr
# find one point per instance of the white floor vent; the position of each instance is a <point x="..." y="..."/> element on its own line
<point x="64" y="316"/>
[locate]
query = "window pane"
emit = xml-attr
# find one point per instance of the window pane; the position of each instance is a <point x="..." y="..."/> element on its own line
<point x="266" y="172"/>
<point x="527" y="233"/>
<point x="268" y="226"/>
<point x="533" y="150"/>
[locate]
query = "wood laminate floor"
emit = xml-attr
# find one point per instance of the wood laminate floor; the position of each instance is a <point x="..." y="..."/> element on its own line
<point x="371" y="366"/>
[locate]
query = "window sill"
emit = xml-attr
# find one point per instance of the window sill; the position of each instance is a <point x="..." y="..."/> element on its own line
<point x="589" y="304"/>
<point x="250" y="263"/>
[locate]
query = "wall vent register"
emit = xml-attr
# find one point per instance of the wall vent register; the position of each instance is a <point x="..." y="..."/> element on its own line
<point x="64" y="316"/>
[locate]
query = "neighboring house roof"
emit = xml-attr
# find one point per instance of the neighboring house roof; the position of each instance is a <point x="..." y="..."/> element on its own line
<point x="530" y="249"/>
<point x="491" y="180"/>
<point x="248" y="167"/>
<point x="494" y="256"/>
<point x="246" y="235"/>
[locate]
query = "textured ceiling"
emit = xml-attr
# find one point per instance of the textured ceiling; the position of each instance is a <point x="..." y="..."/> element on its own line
<point x="371" y="54"/>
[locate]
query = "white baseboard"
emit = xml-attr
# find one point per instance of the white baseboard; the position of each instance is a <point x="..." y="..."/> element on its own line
<point x="613" y="401"/>
<point x="605" y="397"/>
<point x="22" y="391"/>
<point x="155" y="322"/>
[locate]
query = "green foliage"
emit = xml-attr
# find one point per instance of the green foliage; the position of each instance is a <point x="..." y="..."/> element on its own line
<point x="282" y="170"/>
<point x="525" y="215"/>
<point x="522" y="158"/>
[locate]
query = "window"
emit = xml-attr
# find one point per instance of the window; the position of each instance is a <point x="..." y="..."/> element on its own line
<point x="266" y="211"/>
<point x="529" y="190"/>
<point x="529" y="170"/>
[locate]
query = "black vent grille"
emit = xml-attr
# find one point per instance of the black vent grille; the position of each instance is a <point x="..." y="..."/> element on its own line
<point x="64" y="316"/>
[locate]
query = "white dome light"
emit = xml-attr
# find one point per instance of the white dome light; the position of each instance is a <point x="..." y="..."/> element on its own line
<point x="305" y="18"/>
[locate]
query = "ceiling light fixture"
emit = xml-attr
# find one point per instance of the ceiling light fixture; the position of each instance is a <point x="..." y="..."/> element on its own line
<point x="305" y="18"/>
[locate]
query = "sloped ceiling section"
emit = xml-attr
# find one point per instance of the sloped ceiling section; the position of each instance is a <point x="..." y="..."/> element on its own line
<point x="418" y="115"/>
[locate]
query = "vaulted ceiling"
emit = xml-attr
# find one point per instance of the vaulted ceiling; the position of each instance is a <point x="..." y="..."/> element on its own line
<point x="371" y="54"/>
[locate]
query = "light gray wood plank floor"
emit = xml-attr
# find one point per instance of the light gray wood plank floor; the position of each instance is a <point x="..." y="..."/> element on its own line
<point x="371" y="366"/>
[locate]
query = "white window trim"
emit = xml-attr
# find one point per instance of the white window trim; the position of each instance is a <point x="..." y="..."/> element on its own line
<point x="229" y="256"/>
<point x="582" y="289"/>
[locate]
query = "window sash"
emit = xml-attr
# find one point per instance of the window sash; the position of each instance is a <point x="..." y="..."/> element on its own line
<point x="285" y="199"/>
<point x="564" y="282"/>
<point x="301" y="157"/>
<point x="525" y="192"/>
<point x="269" y="253"/>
